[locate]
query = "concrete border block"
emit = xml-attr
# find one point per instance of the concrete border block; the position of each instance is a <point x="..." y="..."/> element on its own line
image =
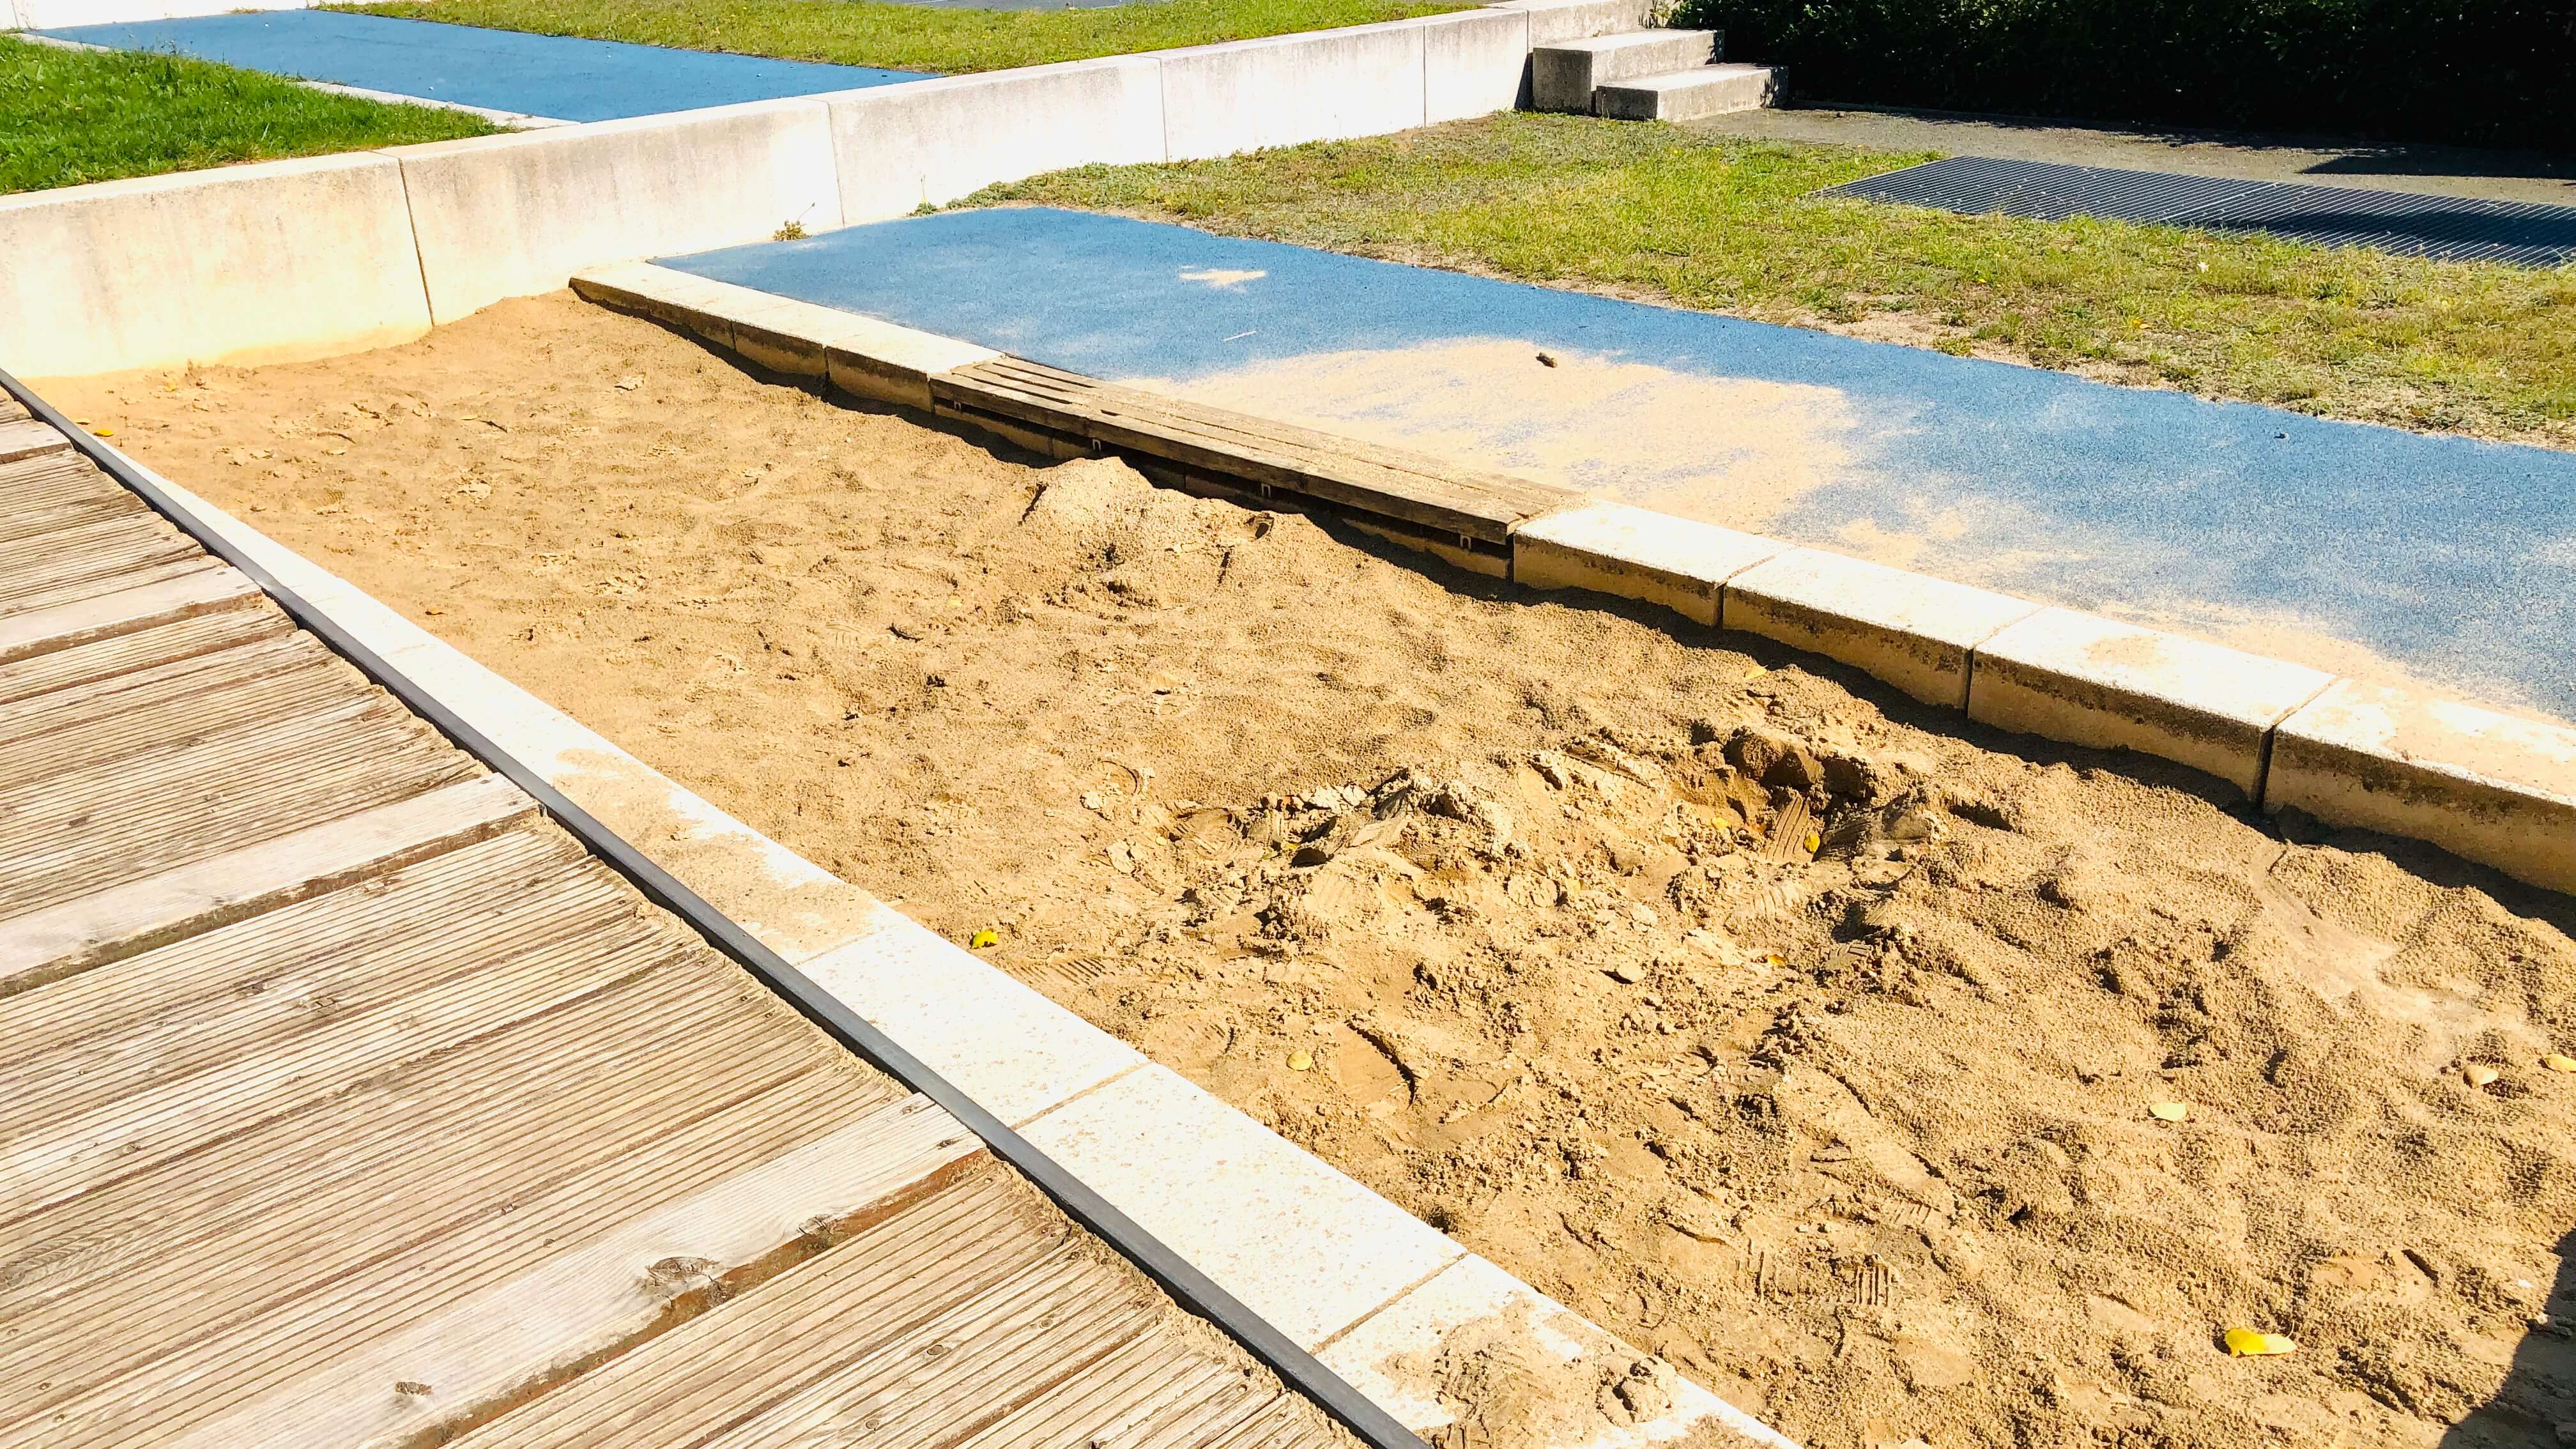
<point x="270" y="262"/>
<point x="889" y="363"/>
<point x="1636" y="553"/>
<point x="1473" y="1308"/>
<point x="858" y="354"/>
<point x="2489" y="787"/>
<point x="931" y="142"/>
<point x="1305" y="1246"/>
<point x="1015" y="1052"/>
<point x="518" y="214"/>
<point x="1913" y="631"/>
<point x="1474" y="63"/>
<point x="2089" y="680"/>
<point x="1321" y="85"/>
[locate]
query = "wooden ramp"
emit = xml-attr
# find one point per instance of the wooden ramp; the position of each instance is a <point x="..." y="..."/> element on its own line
<point x="345" y="1099"/>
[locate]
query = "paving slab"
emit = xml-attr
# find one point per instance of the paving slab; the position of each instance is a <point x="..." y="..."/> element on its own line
<point x="561" y="77"/>
<point x="2346" y="547"/>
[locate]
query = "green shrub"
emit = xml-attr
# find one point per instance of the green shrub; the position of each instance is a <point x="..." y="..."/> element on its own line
<point x="2484" y="72"/>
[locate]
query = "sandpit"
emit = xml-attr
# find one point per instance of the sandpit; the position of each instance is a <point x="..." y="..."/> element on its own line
<point x="1807" y="1037"/>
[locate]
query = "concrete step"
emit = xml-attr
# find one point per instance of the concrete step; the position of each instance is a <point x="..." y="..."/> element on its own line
<point x="1687" y="95"/>
<point x="1554" y="20"/>
<point x="1563" y="75"/>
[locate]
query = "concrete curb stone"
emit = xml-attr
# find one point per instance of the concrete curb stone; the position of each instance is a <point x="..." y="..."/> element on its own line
<point x="2089" y="680"/>
<point x="1909" y="630"/>
<point x="1637" y="553"/>
<point x="2486" y="786"/>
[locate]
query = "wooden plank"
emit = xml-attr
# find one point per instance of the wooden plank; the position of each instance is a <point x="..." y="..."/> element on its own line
<point x="975" y="1308"/>
<point x="80" y="829"/>
<point x="56" y="491"/>
<point x="1335" y="481"/>
<point x="1293" y="437"/>
<point x="60" y="1154"/>
<point x="125" y="544"/>
<point x="322" y="1230"/>
<point x="145" y="649"/>
<point x="882" y="1290"/>
<point x="1389" y="482"/>
<point x="123" y="611"/>
<point x="582" y="1303"/>
<point x="29" y="438"/>
<point x="267" y="1335"/>
<point x="55" y="940"/>
<point x="282" y="676"/>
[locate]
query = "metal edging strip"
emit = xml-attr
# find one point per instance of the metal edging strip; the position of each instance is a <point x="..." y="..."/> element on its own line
<point x="1190" y="1288"/>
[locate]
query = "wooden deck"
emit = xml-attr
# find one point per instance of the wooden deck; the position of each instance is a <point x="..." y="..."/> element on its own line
<point x="1416" y="492"/>
<point x="345" y="1099"/>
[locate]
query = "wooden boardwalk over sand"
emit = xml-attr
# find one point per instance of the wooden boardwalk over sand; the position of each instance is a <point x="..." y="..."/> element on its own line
<point x="346" y="1099"/>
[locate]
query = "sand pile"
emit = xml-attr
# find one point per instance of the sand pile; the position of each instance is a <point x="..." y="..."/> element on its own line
<point x="1809" y="1038"/>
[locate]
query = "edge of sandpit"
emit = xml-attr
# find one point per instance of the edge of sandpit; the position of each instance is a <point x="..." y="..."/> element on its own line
<point x="2494" y="788"/>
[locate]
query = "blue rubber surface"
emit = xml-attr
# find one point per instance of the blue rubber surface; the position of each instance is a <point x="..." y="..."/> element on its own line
<point x="503" y="70"/>
<point x="2357" y="548"/>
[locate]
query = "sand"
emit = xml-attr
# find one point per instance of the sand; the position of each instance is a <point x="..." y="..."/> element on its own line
<point x="1807" y="1036"/>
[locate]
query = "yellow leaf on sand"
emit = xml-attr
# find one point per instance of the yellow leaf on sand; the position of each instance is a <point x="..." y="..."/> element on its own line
<point x="2170" y="1111"/>
<point x="1301" y="1060"/>
<point x="2247" y="1343"/>
<point x="2478" y="1074"/>
<point x="2557" y="1063"/>
<point x="1754" y="672"/>
<point x="984" y="938"/>
<point x="1813" y="843"/>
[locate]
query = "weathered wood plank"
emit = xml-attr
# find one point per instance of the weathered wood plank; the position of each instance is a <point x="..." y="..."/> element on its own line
<point x="29" y="438"/>
<point x="144" y="649"/>
<point x="320" y="1231"/>
<point x="1387" y="482"/>
<point x="282" y="676"/>
<point x="543" y="1325"/>
<point x="104" y="548"/>
<point x="57" y="939"/>
<point x="136" y="813"/>
<point x="199" y="590"/>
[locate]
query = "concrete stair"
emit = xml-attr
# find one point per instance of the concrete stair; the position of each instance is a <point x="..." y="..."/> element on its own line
<point x="1564" y="75"/>
<point x="1710" y="90"/>
<point x="1603" y="58"/>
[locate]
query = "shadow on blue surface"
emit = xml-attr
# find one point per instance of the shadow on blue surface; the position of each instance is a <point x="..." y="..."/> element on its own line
<point x="2345" y="545"/>
<point x="502" y="70"/>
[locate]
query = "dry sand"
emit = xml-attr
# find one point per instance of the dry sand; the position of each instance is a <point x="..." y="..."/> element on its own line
<point x="1807" y="1037"/>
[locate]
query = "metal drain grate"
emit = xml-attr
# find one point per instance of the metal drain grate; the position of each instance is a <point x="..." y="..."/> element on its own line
<point x="2445" y="228"/>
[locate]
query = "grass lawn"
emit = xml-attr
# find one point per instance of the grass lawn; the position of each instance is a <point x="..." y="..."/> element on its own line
<point x="1722" y="223"/>
<point x="912" y="37"/>
<point x="69" y="116"/>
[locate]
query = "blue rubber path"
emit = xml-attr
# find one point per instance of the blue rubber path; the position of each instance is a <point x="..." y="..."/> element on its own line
<point x="502" y="70"/>
<point x="2357" y="548"/>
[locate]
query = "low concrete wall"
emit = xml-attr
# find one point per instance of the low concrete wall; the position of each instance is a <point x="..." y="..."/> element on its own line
<point x="506" y="216"/>
<point x="48" y="14"/>
<point x="1321" y="86"/>
<point x="255" y="263"/>
<point x="260" y="263"/>
<point x="933" y="142"/>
